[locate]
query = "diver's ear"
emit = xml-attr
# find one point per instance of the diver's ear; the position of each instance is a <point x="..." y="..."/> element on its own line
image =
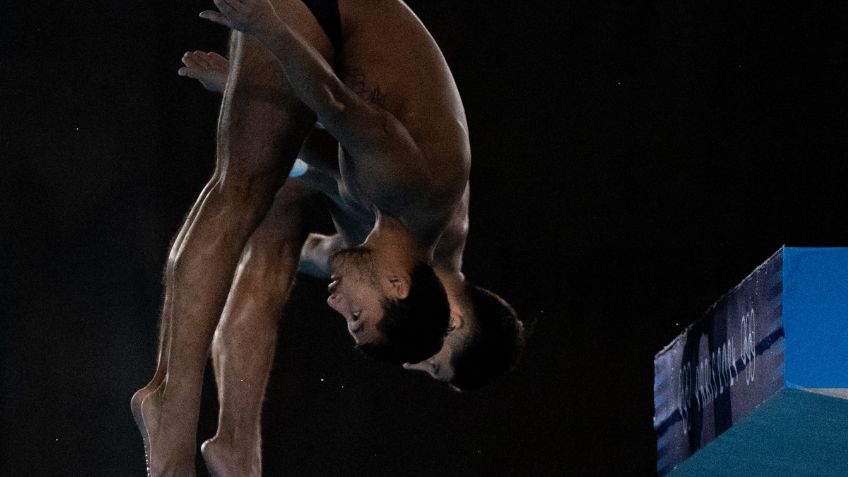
<point x="456" y="321"/>
<point x="399" y="287"/>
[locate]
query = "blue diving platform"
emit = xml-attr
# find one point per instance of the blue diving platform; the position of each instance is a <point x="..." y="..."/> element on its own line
<point x="759" y="385"/>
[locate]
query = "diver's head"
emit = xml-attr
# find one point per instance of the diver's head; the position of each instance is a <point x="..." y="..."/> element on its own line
<point x="485" y="340"/>
<point x="396" y="310"/>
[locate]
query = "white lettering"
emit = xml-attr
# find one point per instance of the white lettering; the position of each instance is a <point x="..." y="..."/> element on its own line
<point x="701" y="383"/>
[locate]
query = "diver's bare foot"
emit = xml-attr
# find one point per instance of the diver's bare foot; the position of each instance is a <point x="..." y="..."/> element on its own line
<point x="209" y="68"/>
<point x="135" y="406"/>
<point x="170" y="437"/>
<point x="225" y="460"/>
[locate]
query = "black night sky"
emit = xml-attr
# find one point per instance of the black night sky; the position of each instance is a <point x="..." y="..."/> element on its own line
<point x="632" y="161"/>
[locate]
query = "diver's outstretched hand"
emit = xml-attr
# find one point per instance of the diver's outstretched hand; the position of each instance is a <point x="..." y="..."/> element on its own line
<point x="254" y="17"/>
<point x="208" y="67"/>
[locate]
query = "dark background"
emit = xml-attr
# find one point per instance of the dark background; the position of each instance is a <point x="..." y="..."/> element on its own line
<point x="632" y="161"/>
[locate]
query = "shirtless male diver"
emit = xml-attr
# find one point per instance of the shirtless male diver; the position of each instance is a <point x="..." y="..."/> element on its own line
<point x="398" y="188"/>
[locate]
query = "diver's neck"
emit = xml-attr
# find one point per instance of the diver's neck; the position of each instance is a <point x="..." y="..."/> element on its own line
<point x="453" y="281"/>
<point x="455" y="288"/>
<point x="391" y="235"/>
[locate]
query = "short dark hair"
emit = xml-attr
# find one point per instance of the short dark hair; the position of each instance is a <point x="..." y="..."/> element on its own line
<point x="414" y="328"/>
<point x="495" y="343"/>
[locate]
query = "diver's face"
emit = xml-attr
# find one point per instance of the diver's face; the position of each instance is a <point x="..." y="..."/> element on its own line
<point x="355" y="293"/>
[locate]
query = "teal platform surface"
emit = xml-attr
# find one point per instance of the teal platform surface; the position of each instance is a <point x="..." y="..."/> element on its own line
<point x="794" y="434"/>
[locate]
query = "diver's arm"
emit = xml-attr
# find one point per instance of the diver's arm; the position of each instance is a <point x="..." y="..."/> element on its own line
<point x="364" y="129"/>
<point x="316" y="252"/>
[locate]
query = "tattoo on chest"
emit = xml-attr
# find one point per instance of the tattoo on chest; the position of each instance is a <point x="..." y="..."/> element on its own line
<point x="355" y="80"/>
